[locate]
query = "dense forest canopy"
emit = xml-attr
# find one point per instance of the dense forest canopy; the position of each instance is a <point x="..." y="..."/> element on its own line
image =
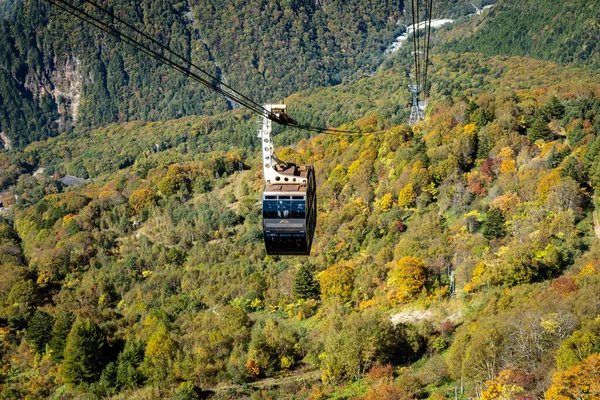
<point x="155" y="273"/>
<point x="459" y="257"/>
<point x="51" y="80"/>
<point x="265" y="49"/>
<point x="561" y="31"/>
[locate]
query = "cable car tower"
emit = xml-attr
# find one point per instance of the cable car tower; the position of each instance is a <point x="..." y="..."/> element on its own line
<point x="420" y="65"/>
<point x="289" y="196"/>
<point x="416" y="112"/>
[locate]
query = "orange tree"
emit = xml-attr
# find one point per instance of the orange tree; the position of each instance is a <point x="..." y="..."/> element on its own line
<point x="579" y="382"/>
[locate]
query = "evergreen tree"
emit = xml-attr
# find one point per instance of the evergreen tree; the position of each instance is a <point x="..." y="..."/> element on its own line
<point x="539" y="128"/>
<point x="60" y="331"/>
<point x="481" y="117"/>
<point x="305" y="284"/>
<point x="128" y="373"/>
<point x="553" y="159"/>
<point x="574" y="169"/>
<point x="39" y="331"/>
<point x="107" y="382"/>
<point x="554" y="108"/>
<point x="471" y="108"/>
<point x="484" y="144"/>
<point x="575" y="135"/>
<point x="493" y="226"/>
<point x="85" y="352"/>
<point x="593" y="150"/>
<point x="556" y="157"/>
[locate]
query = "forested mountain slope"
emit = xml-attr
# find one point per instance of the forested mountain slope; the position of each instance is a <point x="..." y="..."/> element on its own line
<point x="266" y="50"/>
<point x="56" y="71"/>
<point x="151" y="280"/>
<point x="477" y="230"/>
<point x="561" y="31"/>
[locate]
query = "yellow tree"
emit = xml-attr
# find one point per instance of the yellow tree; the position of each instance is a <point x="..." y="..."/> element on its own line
<point x="140" y="199"/>
<point x="547" y="183"/>
<point x="387" y="202"/>
<point x="159" y="355"/>
<point x="407" y="196"/>
<point x="337" y="281"/>
<point x="407" y="278"/>
<point x="502" y="387"/>
<point x="471" y="129"/>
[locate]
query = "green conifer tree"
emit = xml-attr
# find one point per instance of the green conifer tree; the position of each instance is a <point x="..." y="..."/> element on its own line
<point x="85" y="352"/>
<point x="554" y="108"/>
<point x="128" y="373"/>
<point x="575" y="135"/>
<point x="553" y="159"/>
<point x="574" y="169"/>
<point x="471" y="108"/>
<point x="493" y="226"/>
<point x="60" y="331"/>
<point x="305" y="285"/>
<point x="39" y="331"/>
<point x="539" y="128"/>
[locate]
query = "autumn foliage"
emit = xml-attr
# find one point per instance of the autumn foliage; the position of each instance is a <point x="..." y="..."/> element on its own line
<point x="407" y="278"/>
<point x="581" y="381"/>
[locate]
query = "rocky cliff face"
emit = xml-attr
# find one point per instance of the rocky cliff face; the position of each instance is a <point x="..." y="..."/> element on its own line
<point x="64" y="83"/>
<point x="5" y="141"/>
<point x="67" y="82"/>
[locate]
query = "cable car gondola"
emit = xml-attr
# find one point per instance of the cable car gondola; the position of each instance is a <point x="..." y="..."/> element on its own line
<point x="289" y="197"/>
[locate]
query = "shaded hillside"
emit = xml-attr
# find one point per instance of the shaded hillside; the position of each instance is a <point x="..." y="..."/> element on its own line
<point x="561" y="31"/>
<point x="6" y="8"/>
<point x="156" y="284"/>
<point x="49" y="78"/>
<point x="266" y="50"/>
<point x="50" y="81"/>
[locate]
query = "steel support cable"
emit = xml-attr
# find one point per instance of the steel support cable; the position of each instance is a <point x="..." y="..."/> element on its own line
<point x="305" y="127"/>
<point x="145" y="35"/>
<point x="126" y="39"/>
<point x="415" y="43"/>
<point x="418" y="47"/>
<point x="424" y="68"/>
<point x="151" y="53"/>
<point x="86" y="17"/>
<point x="427" y="46"/>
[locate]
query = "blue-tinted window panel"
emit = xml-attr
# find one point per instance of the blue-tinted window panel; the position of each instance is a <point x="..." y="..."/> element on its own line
<point x="270" y="209"/>
<point x="284" y="208"/>
<point x="298" y="209"/>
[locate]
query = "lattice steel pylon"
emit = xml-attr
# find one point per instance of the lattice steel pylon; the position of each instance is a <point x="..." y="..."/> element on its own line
<point x="416" y="112"/>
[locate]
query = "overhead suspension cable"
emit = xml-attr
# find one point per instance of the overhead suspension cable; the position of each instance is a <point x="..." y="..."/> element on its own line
<point x="427" y="41"/>
<point x="415" y="52"/>
<point x="419" y="89"/>
<point x="232" y="94"/>
<point x="162" y="46"/>
<point x="418" y="47"/>
<point x="151" y="53"/>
